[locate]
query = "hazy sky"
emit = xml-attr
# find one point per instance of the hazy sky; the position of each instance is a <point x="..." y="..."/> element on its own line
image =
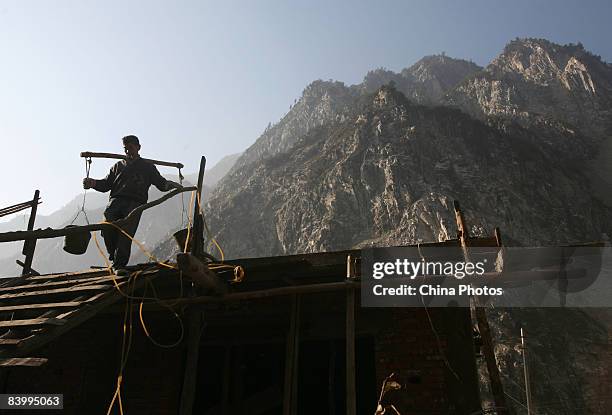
<point x="195" y="78"/>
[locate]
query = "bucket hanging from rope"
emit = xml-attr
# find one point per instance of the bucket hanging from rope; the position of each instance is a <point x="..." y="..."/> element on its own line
<point x="76" y="243"/>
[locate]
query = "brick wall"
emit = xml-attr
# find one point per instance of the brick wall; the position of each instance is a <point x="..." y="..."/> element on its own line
<point x="407" y="345"/>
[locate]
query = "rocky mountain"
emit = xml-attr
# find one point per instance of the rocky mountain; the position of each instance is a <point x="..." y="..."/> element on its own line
<point x="537" y="78"/>
<point x="215" y="173"/>
<point x="379" y="164"/>
<point x="562" y="92"/>
<point x="425" y="82"/>
<point x="321" y="102"/>
<point x="569" y="358"/>
<point x="277" y="174"/>
<point x="387" y="173"/>
<point x="324" y="102"/>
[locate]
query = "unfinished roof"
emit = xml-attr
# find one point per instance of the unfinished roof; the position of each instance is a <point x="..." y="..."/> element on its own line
<point x="37" y="309"/>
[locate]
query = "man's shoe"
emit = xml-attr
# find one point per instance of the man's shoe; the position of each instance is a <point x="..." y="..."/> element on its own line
<point x="121" y="271"/>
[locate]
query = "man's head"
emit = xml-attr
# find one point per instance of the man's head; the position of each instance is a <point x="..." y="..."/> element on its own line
<point x="131" y="146"/>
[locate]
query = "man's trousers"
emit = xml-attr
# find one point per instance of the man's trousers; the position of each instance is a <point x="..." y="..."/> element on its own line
<point x="117" y="244"/>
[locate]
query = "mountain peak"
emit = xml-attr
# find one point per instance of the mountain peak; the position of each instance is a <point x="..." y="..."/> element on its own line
<point x="531" y="43"/>
<point x="321" y="102"/>
<point x="536" y="79"/>
<point x="427" y="81"/>
<point x="320" y="88"/>
<point x="542" y="62"/>
<point x="440" y="66"/>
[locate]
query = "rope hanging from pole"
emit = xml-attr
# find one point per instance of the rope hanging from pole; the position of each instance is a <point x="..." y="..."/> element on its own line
<point x="82" y="209"/>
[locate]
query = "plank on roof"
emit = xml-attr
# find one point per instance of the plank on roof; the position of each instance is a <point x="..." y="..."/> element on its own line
<point x="41" y="306"/>
<point x="94" y="305"/>
<point x="23" y="361"/>
<point x="58" y="291"/>
<point x="74" y="304"/>
<point x="10" y="342"/>
<point x="24" y="279"/>
<point x="144" y="268"/>
<point x="70" y="274"/>
<point x="66" y="277"/>
<point x="33" y="322"/>
<point x="66" y="314"/>
<point x="60" y="283"/>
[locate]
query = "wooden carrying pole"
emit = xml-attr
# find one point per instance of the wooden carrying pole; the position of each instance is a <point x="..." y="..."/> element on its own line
<point x="89" y="154"/>
<point x="483" y="324"/>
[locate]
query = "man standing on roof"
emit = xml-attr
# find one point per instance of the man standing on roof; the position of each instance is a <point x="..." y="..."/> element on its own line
<point x="128" y="181"/>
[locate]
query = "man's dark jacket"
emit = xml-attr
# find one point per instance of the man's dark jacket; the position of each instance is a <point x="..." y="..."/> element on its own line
<point x="131" y="179"/>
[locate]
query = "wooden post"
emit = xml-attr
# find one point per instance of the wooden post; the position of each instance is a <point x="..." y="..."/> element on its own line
<point x="526" y="373"/>
<point x="194" y="316"/>
<point x="481" y="319"/>
<point x="194" y="328"/>
<point x="331" y="379"/>
<point x="498" y="238"/>
<point x="351" y="403"/>
<point x="227" y="380"/>
<point x="33" y="272"/>
<point x="197" y="271"/>
<point x="292" y="356"/>
<point x="197" y="246"/>
<point x="29" y="245"/>
<point x="562" y="281"/>
<point x="489" y="353"/>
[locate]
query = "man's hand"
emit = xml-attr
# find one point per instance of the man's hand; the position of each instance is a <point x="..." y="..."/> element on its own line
<point x="173" y="185"/>
<point x="88" y="183"/>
